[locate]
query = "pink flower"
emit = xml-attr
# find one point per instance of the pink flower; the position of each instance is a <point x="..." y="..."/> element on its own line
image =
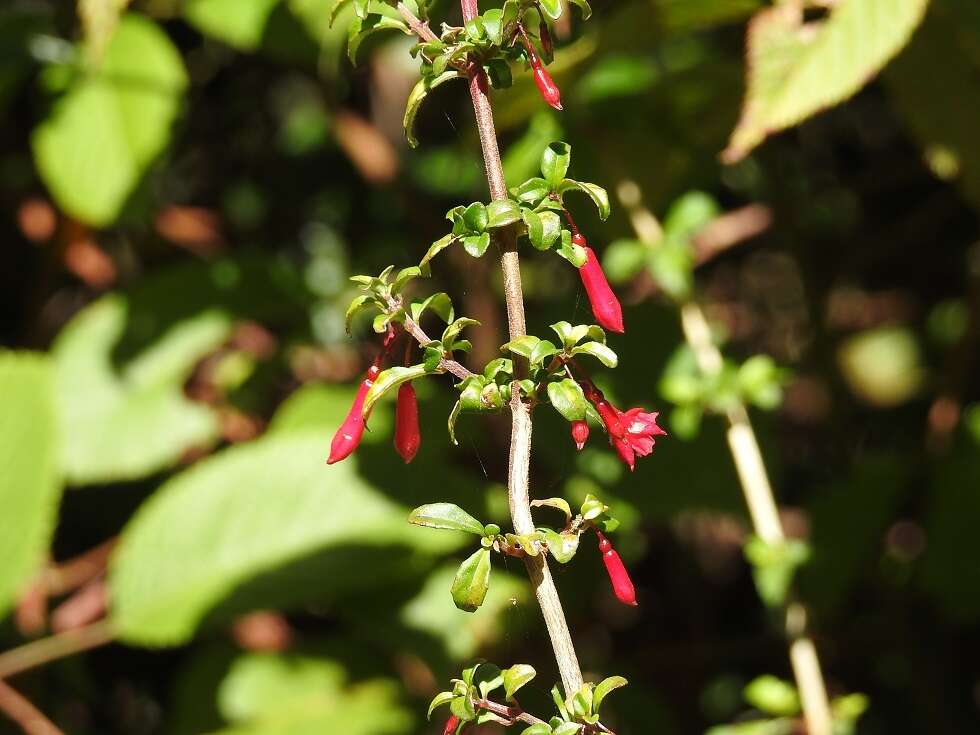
<point x="621" y="583"/>
<point x="580" y="434"/>
<point x="605" y="305"/>
<point x="407" y="434"/>
<point x="349" y="434"/>
<point x="632" y="432"/>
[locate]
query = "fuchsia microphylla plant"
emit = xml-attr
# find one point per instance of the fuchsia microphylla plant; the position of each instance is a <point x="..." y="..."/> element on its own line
<point x="531" y="371"/>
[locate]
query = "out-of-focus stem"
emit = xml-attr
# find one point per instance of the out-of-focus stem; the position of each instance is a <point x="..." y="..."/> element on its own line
<point x="754" y="479"/>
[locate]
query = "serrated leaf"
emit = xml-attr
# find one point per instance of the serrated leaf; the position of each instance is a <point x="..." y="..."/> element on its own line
<point x="603" y="688"/>
<point x="240" y="514"/>
<point x="446" y="516"/>
<point x="30" y="483"/>
<point x="554" y="163"/>
<point x="796" y="69"/>
<point x="472" y="581"/>
<point x="517" y="676"/>
<point x="388" y="380"/>
<point x="567" y="399"/>
<point x="95" y="145"/>
<point x="417" y="97"/>
<point x="599" y="351"/>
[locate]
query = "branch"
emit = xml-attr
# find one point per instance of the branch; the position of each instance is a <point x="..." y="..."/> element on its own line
<point x="54" y="647"/>
<point x="413" y="328"/>
<point x="752" y="475"/>
<point x="19" y="709"/>
<point x="514" y="714"/>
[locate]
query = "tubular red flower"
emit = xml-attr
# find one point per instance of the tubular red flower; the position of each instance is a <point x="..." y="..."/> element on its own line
<point x="451" y="724"/>
<point x="546" y="85"/>
<point x="349" y="434"/>
<point x="407" y="434"/>
<point x="632" y="432"/>
<point x="605" y="305"/>
<point x="621" y="583"/>
<point x="580" y="434"/>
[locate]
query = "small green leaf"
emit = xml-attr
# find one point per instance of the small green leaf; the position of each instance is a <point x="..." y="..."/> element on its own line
<point x="559" y="702"/>
<point x="335" y="11"/>
<point x="360" y="29"/>
<point x="551" y="8"/>
<point x="437" y="247"/>
<point x="559" y="503"/>
<point x="355" y="306"/>
<point x="476" y="245"/>
<point x="554" y="163"/>
<point x="603" y="688"/>
<point x="539" y="728"/>
<point x="503" y="212"/>
<point x="773" y="696"/>
<point x="476" y="217"/>
<point x="388" y="380"/>
<point x="624" y="259"/>
<point x="463" y="708"/>
<point x="595" y="192"/>
<point x="418" y="95"/>
<point x="599" y="351"/>
<point x="689" y="214"/>
<point x="568" y="728"/>
<point x="581" y="701"/>
<point x="440" y="699"/>
<point x="542" y="350"/>
<point x="567" y="399"/>
<point x="592" y="508"/>
<point x="535" y="228"/>
<point x="488" y="678"/>
<point x="532" y="191"/>
<point x="775" y="566"/>
<point x="498" y="366"/>
<point x="562" y="546"/>
<point x="452" y="331"/>
<point x="446" y="516"/>
<point x="472" y="581"/>
<point x="404" y="276"/>
<point x="551" y="229"/>
<point x="522" y="346"/>
<point x="574" y="254"/>
<point x="439" y="303"/>
<point x="517" y="676"/>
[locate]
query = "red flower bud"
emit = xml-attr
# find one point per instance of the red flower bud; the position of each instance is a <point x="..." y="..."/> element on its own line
<point x="620" y="578"/>
<point x="546" y="85"/>
<point x="451" y="724"/>
<point x="605" y="305"/>
<point x="407" y="435"/>
<point x="349" y="434"/>
<point x="580" y="433"/>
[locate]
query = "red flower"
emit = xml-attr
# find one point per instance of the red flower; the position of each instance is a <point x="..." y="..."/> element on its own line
<point x="632" y="432"/>
<point x="349" y="434"/>
<point x="451" y="724"/>
<point x="580" y="434"/>
<point x="546" y="85"/>
<point x="605" y="305"/>
<point x="620" y="578"/>
<point x="407" y="435"/>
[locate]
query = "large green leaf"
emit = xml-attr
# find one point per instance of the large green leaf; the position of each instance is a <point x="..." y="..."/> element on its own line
<point x="29" y="478"/>
<point x="242" y="513"/>
<point x="305" y="695"/>
<point x="796" y="69"/>
<point x="120" y="425"/>
<point x="100" y="137"/>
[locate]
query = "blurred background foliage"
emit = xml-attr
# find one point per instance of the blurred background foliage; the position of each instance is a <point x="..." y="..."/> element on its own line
<point x="186" y="189"/>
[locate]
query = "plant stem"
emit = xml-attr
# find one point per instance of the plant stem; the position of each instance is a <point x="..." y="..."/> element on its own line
<point x="511" y="713"/>
<point x="20" y="710"/>
<point x="412" y="327"/>
<point x="759" y="496"/>
<point x="54" y="647"/>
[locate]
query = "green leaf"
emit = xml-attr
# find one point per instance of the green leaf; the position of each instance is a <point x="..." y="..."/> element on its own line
<point x="568" y="728"/>
<point x="532" y="191"/>
<point x="101" y="136"/>
<point x="388" y="380"/>
<point x="551" y="8"/>
<point x="440" y="699"/>
<point x="559" y="503"/>
<point x="585" y="8"/>
<point x="355" y="306"/>
<point x="624" y="259"/>
<point x="672" y="267"/>
<point x="773" y="696"/>
<point x="30" y="486"/>
<point x="452" y="331"/>
<point x="689" y="214"/>
<point x="559" y="702"/>
<point x="542" y="350"/>
<point x="238" y="515"/>
<point x="476" y="217"/>
<point x="580" y="703"/>
<point x="798" y="68"/>
<point x="359" y="30"/>
<point x="595" y="192"/>
<point x="562" y="546"/>
<point x="238" y="24"/>
<point x="774" y="566"/>
<point x="574" y="254"/>
<point x="567" y="399"/>
<point x="599" y="351"/>
<point x="603" y="688"/>
<point x="522" y="346"/>
<point x="447" y="516"/>
<point x="437" y="247"/>
<point x="472" y="581"/>
<point x="517" y="676"/>
<point x="463" y="708"/>
<point x="554" y="163"/>
<point x="592" y="507"/>
<point x="502" y="212"/>
<point x="535" y="228"/>
<point x="439" y="303"/>
<point x="404" y="276"/>
<point x="498" y="71"/>
<point x="476" y="245"/>
<point x="417" y="96"/>
<point x="127" y="423"/>
<point x="537" y="729"/>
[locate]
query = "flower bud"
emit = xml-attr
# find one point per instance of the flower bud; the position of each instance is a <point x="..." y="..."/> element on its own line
<point x="451" y="724"/>
<point x="546" y="85"/>
<point x="407" y="434"/>
<point x="620" y="578"/>
<point x="349" y="434"/>
<point x="580" y="433"/>
<point x="605" y="305"/>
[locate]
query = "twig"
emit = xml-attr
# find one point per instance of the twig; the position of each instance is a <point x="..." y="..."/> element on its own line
<point x="514" y="714"/>
<point x="19" y="709"/>
<point x="72" y="574"/>
<point x="758" y="491"/>
<point x="54" y="647"/>
<point x="412" y="327"/>
<point x="521" y="426"/>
